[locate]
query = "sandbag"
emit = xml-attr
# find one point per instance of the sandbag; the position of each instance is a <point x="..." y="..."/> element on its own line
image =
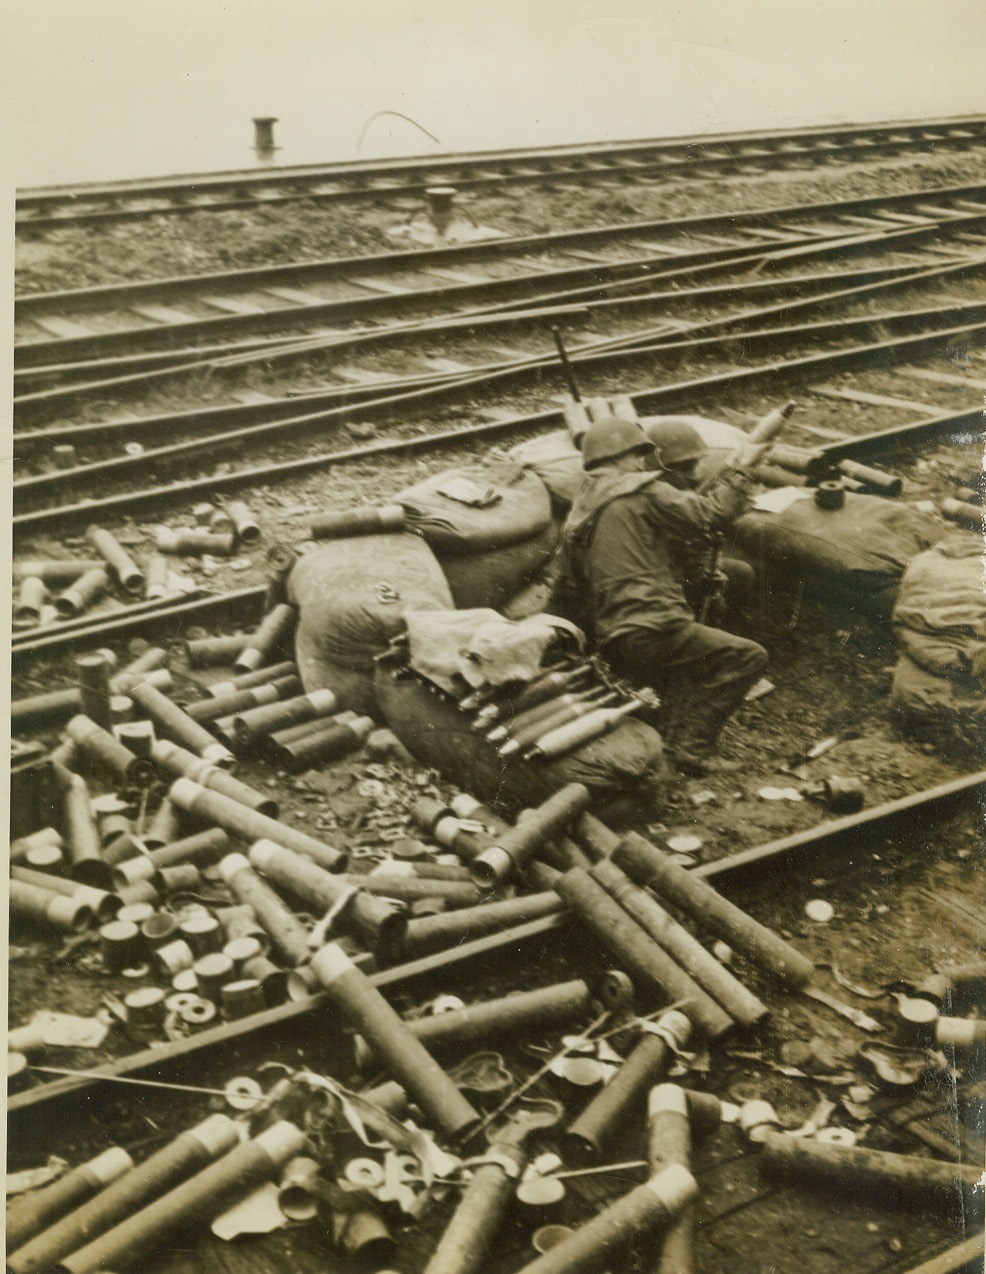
<point x="513" y="505"/>
<point x="856" y="554"/>
<point x="351" y="596"/>
<point x="939" y="620"/>
<point x="939" y="707"/>
<point x="492" y="579"/>
<point x="623" y="769"/>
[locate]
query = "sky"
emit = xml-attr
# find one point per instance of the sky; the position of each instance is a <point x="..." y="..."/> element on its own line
<point x="98" y="89"/>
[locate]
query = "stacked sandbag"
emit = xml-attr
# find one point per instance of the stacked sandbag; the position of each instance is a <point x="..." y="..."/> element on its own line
<point x="490" y="528"/>
<point x="351" y="596"/>
<point x="854" y="555"/>
<point x="940" y="625"/>
<point x="622" y="769"/>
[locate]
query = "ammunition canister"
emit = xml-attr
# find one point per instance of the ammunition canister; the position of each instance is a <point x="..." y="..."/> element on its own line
<point x="202" y="932"/>
<point x="181" y="763"/>
<point x="516" y="847"/>
<point x="20" y="848"/>
<point x="213" y="971"/>
<point x="405" y="1056"/>
<point x="37" y="711"/>
<point x="240" y="921"/>
<point x="379" y="924"/>
<point x="116" y="557"/>
<point x="125" y="681"/>
<point x="95" y="742"/>
<point x="283" y="927"/>
<point x="623" y="1096"/>
<point x="273" y="981"/>
<point x="220" y="521"/>
<point x="136" y="736"/>
<point x="176" y="723"/>
<point x="241" y="997"/>
<point x="887" y="484"/>
<point x="250" y="825"/>
<point x="74" y="599"/>
<point x="196" y="1201"/>
<point x="639" y="952"/>
<point x="42" y="1209"/>
<point x="646" y="864"/>
<point x="120" y="945"/>
<point x="274" y="631"/>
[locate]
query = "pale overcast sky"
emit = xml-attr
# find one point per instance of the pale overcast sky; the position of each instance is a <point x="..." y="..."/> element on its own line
<point x="108" y="88"/>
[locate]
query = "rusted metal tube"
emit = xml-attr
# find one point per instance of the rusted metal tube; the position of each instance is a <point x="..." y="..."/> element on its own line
<point x="338" y="738"/>
<point x="206" y="652"/>
<point x="116" y="557"/>
<point x="103" y="904"/>
<point x="187" y="1154"/>
<point x="181" y="763"/>
<point x="282" y="926"/>
<point x="669" y="1141"/>
<point x="404" y="1055"/>
<point x="175" y="722"/>
<point x="857" y="1169"/>
<point x="198" y="1200"/>
<point x="250" y="825"/>
<point x="639" y="952"/>
<point x="57" y="911"/>
<point x="203" y="850"/>
<point x="35" y="1211"/>
<point x="545" y="1008"/>
<point x="254" y="723"/>
<point x="74" y="599"/>
<point x="741" y="1005"/>
<point x="95" y="742"/>
<point x="455" y="893"/>
<point x="55" y="570"/>
<point x="516" y="847"/>
<point x="94" y="688"/>
<point x="364" y="520"/>
<point x="439" y="933"/>
<point x="31" y="598"/>
<point x="646" y="864"/>
<point x="240" y="700"/>
<point x="602" y="1120"/>
<point x="645" y="1210"/>
<point x="275" y="629"/>
<point x="379" y="924"/>
<point x="969" y="515"/>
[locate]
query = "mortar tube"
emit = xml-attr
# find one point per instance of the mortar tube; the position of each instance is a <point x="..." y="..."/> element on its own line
<point x="259" y="677"/>
<point x="95" y="742"/>
<point x="249" y="825"/>
<point x="101" y="903"/>
<point x="197" y="1201"/>
<point x="516" y="847"/>
<point x="378" y="924"/>
<point x="74" y="599"/>
<point x="543" y="1009"/>
<point x="56" y="910"/>
<point x="254" y="723"/>
<point x="741" y="1004"/>
<point x="33" y="1212"/>
<point x="623" y="1096"/>
<point x="380" y="519"/>
<point x="202" y="850"/>
<point x="184" y="764"/>
<point x="907" y="1179"/>
<point x="178" y="724"/>
<point x="465" y="1245"/>
<point x="20" y="848"/>
<point x="455" y="893"/>
<point x="669" y="1141"/>
<point x="116" y="557"/>
<point x="188" y="1153"/>
<point x="56" y="570"/>
<point x="240" y="700"/>
<point x="336" y="740"/>
<point x="165" y="826"/>
<point x="285" y="930"/>
<point x="87" y="865"/>
<point x="31" y="598"/>
<point x="639" y="953"/>
<point x="648" y="866"/>
<point x="275" y="628"/>
<point x="207" y="652"/>
<point x="442" y="932"/>
<point x="647" y="1209"/>
<point x="408" y="1059"/>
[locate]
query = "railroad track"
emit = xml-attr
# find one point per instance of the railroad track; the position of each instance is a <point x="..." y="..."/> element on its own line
<point x="655" y="160"/>
<point x="53" y="329"/>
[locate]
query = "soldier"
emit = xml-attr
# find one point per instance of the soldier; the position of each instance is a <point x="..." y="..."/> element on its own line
<point x="622" y="569"/>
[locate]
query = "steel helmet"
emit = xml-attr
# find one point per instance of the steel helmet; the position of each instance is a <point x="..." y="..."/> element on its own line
<point x="676" y="441"/>
<point x="611" y="437"/>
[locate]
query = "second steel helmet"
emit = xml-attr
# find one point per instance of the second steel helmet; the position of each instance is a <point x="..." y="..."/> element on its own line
<point x="611" y="437"/>
<point x="676" y="441"/>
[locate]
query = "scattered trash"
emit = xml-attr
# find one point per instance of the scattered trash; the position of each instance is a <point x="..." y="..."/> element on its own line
<point x="819" y="910"/>
<point x="33" y="1178"/>
<point x="684" y="844"/>
<point x="259" y="1213"/>
<point x="779" y="794"/>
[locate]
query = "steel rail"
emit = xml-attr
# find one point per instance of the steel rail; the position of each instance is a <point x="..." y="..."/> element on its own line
<point x="661" y="396"/>
<point x="448" y="166"/>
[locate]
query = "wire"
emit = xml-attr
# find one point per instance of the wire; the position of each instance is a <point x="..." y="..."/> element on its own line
<point x="409" y="120"/>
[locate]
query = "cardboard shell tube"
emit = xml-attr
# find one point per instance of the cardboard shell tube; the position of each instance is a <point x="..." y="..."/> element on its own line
<point x="178" y="761"/>
<point x="741" y="1005"/>
<point x="362" y="520"/>
<point x="517" y="846"/>
<point x="623" y="1096"/>
<point x="465" y="1245"/>
<point x="103" y="904"/>
<point x="247" y="680"/>
<point x="247" y="697"/>
<point x="74" y="599"/>
<point x="645" y="1210"/>
<point x="639" y="952"/>
<point x="456" y="893"/>
<point x="65" y="914"/>
<point x="646" y="864"/>
<point x="244" y="524"/>
<point x="194" y="540"/>
<point x="94" y="688"/>
<point x="156" y="579"/>
<point x="195" y="1202"/>
<point x="669" y="1141"/>
<point x="82" y="837"/>
<point x="207" y="652"/>
<point x="95" y="742"/>
<point x="203" y="850"/>
<point x="285" y="930"/>
<point x="174" y="721"/>
<point x="253" y="723"/>
<point x="274" y="629"/>
<point x="337" y="739"/>
<point x="405" y="1056"/>
<point x="440" y="932"/>
<point x="117" y="558"/>
<point x="165" y="826"/>
<point x="56" y="570"/>
<point x="38" y="710"/>
<point x="379" y="924"/>
<point x="20" y="848"/>
<point x="32" y="1213"/>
